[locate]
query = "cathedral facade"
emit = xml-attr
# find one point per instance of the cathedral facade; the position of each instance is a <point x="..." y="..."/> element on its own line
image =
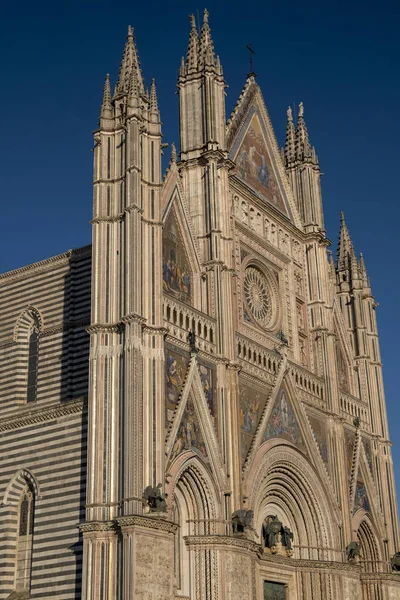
<point x="193" y="406"/>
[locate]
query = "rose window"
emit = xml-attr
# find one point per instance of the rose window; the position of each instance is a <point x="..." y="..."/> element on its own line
<point x="258" y="297"/>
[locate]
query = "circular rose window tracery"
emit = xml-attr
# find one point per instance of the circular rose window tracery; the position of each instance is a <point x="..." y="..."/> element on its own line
<point x="258" y="296"/>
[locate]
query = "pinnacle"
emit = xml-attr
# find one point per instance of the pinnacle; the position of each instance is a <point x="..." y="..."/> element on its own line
<point x="106" y="105"/>
<point x="290" y="140"/>
<point x="129" y="63"/>
<point x="303" y="147"/>
<point x="207" y="55"/>
<point x="153" y="96"/>
<point x="345" y="250"/>
<point x="173" y="153"/>
<point x="193" y="47"/>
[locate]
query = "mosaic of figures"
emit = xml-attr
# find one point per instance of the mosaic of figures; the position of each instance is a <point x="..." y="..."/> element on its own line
<point x="176" y="269"/>
<point x="342" y="369"/>
<point x="320" y="435"/>
<point x="283" y="423"/>
<point x="189" y="436"/>
<point x="361" y="497"/>
<point x="368" y="454"/>
<point x="349" y="439"/>
<point x="176" y="365"/>
<point x="267" y="229"/>
<point x="252" y="402"/>
<point x="254" y="166"/>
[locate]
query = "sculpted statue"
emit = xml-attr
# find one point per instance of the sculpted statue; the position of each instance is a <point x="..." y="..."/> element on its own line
<point x="271" y="531"/>
<point x="353" y="550"/>
<point x="154" y="498"/>
<point x="241" y="520"/>
<point x="287" y="537"/>
<point x="192" y="341"/>
<point x="282" y="337"/>
<point x="396" y="562"/>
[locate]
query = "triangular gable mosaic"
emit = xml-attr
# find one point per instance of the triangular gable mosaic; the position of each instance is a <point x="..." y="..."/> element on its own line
<point x="177" y="274"/>
<point x="361" y="497"/>
<point x="320" y="435"/>
<point x="251" y="406"/>
<point x="283" y="423"/>
<point x="349" y="439"/>
<point x="368" y="454"/>
<point x="255" y="163"/>
<point x="208" y="381"/>
<point x="176" y="365"/>
<point x="189" y="436"/>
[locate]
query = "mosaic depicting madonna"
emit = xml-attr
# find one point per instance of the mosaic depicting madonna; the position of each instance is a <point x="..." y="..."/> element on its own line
<point x="176" y="270"/>
<point x="283" y="423"/>
<point x="255" y="168"/>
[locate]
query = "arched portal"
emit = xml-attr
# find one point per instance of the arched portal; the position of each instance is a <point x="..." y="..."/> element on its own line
<point x="282" y="482"/>
<point x="196" y="509"/>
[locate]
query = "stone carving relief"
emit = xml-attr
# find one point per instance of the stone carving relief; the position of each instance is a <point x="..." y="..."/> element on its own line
<point x="154" y="568"/>
<point x="351" y="589"/>
<point x="238" y="577"/>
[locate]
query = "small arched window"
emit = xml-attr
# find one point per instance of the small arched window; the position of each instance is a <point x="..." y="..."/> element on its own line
<point x="33" y="357"/>
<point x="23" y="563"/>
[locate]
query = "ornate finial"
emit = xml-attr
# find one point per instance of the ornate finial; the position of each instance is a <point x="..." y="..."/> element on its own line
<point x="192" y="342"/>
<point x="192" y="21"/>
<point x="130" y="61"/>
<point x="206" y="15"/>
<point x="301" y="110"/>
<point x="193" y="47"/>
<point x="289" y="114"/>
<point x="304" y="151"/>
<point x="173" y="153"/>
<point x="206" y="53"/>
<point x="345" y="251"/>
<point x="130" y="32"/>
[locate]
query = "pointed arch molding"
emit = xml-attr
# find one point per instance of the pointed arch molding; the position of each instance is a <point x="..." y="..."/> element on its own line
<point x="286" y="463"/>
<point x="29" y="316"/>
<point x="193" y="388"/>
<point x="255" y="105"/>
<point x="14" y="489"/>
<point x="175" y="201"/>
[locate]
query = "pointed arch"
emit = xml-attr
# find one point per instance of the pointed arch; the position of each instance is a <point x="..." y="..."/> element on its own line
<point x="18" y="510"/>
<point x="27" y="332"/>
<point x="18" y="482"/>
<point x="283" y="482"/>
<point x="195" y="503"/>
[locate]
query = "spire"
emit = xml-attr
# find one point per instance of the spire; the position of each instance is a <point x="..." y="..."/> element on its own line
<point x="290" y="140"/>
<point x="193" y="47"/>
<point x="345" y="249"/>
<point x="106" y="105"/>
<point x="129" y="63"/>
<point x="207" y="54"/>
<point x="153" y="97"/>
<point x="303" y="147"/>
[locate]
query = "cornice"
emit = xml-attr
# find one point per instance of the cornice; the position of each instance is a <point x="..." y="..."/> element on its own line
<point x="29" y="415"/>
<point x="47" y="264"/>
<point x="148" y="522"/>
<point x="223" y="540"/>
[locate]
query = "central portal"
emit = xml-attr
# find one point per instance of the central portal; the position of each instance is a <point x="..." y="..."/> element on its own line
<point x="274" y="591"/>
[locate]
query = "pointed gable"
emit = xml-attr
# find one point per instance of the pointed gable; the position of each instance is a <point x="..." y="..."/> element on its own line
<point x="177" y="274"/>
<point x="189" y="435"/>
<point x="254" y="149"/>
<point x="283" y="423"/>
<point x="320" y="434"/>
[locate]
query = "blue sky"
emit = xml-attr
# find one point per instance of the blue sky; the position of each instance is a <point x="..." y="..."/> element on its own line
<point x="340" y="59"/>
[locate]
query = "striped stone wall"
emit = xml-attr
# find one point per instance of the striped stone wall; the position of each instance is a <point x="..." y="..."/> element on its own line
<point x="43" y="443"/>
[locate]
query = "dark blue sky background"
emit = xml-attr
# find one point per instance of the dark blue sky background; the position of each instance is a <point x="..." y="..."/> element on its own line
<point x="341" y="59"/>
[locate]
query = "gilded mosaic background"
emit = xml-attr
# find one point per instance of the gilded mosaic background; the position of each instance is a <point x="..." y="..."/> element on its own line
<point x="283" y="423"/>
<point x="176" y="269"/>
<point x="252" y="402"/>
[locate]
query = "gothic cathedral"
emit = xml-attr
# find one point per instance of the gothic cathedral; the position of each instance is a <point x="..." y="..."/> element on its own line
<point x="193" y="406"/>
